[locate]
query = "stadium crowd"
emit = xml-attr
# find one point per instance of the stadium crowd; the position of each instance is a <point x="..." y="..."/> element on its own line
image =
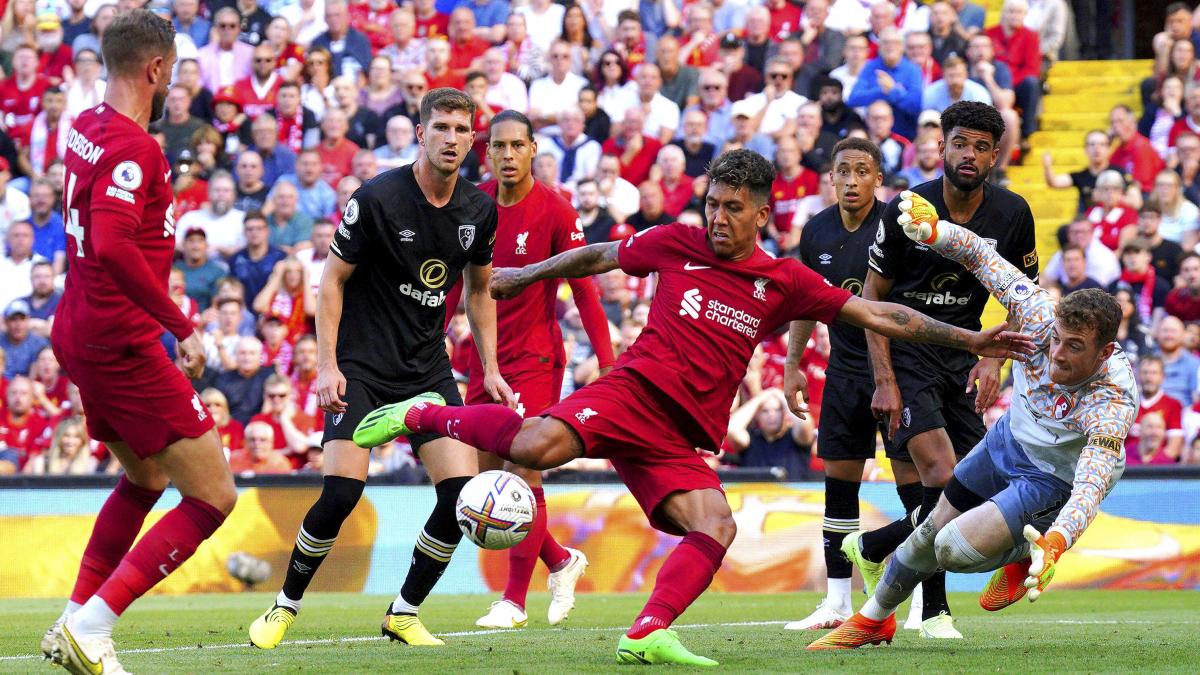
<point x="280" y="110"/>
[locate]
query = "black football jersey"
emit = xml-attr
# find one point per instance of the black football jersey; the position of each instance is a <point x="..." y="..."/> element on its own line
<point x="841" y="257"/>
<point x="939" y="287"/>
<point x="408" y="254"/>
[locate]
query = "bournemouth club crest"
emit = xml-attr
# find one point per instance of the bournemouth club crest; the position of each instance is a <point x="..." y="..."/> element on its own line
<point x="1062" y="406"/>
<point x="466" y="236"/>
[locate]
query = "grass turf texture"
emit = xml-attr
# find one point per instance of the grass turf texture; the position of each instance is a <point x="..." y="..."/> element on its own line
<point x="1127" y="631"/>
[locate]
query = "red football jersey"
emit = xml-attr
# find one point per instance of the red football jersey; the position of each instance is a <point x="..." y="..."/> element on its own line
<point x="117" y="206"/>
<point x="20" y="106"/>
<point x="708" y="314"/>
<point x="257" y="100"/>
<point x="786" y="195"/>
<point x="437" y="25"/>
<point x="376" y="25"/>
<point x="30" y="437"/>
<point x="539" y="226"/>
<point x="1172" y="414"/>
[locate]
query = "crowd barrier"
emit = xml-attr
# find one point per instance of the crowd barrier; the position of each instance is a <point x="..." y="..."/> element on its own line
<point x="1148" y="537"/>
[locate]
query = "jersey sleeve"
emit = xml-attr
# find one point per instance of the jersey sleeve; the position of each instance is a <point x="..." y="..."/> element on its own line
<point x="1022" y="251"/>
<point x="568" y="230"/>
<point x="887" y="252"/>
<point x="359" y="227"/>
<point x="805" y="247"/>
<point x="644" y="252"/>
<point x="1111" y="414"/>
<point x="812" y="297"/>
<point x="485" y="238"/>
<point x="1029" y="304"/>
<point x="119" y="195"/>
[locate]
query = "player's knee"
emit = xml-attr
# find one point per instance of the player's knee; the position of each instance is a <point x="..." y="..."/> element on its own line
<point x="723" y="528"/>
<point x="954" y="553"/>
<point x="340" y="495"/>
<point x="223" y="498"/>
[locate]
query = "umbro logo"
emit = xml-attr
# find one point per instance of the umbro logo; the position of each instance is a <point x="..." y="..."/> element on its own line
<point x="407" y="235"/>
<point x="690" y="305"/>
<point x="825" y="258"/>
<point x="689" y="267"/>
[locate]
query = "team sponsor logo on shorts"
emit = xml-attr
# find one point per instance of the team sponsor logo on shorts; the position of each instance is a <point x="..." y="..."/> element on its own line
<point x="855" y="286"/>
<point x="521" y="239"/>
<point x="466" y="235"/>
<point x="906" y="417"/>
<point x="585" y="414"/>
<point x="350" y="216"/>
<point x="760" y="288"/>
<point x="1062" y="406"/>
<point x="128" y="175"/>
<point x="433" y="273"/>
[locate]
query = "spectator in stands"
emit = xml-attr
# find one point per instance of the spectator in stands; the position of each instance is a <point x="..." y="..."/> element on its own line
<point x="996" y="77"/>
<point x="43" y="298"/>
<point x="76" y="21"/>
<point x="1180" y="217"/>
<point x="855" y="56"/>
<point x="48" y="132"/>
<point x="650" y="207"/>
<point x="363" y="125"/>
<point x="596" y="220"/>
<point x="1155" y="444"/>
<point x="277" y="160"/>
<point x="1102" y="264"/>
<point x="317" y="197"/>
<point x="1019" y="47"/>
<point x="745" y="130"/>
<point x="289" y="297"/>
<point x="1133" y="336"/>
<point x="103" y="16"/>
<point x="822" y="46"/>
<point x="20" y="94"/>
<point x="226" y="59"/>
<point x="1134" y="155"/>
<point x="20" y="345"/>
<point x="893" y="79"/>
<point x="661" y="116"/>
<point x="230" y="430"/>
<point x="1095" y="147"/>
<point x="1155" y="402"/>
<point x="296" y="125"/>
<point x="86" y="91"/>
<point x="289" y="228"/>
<point x="178" y="125"/>
<point x="1180" y="364"/>
<point x="259" y="455"/>
<point x="525" y="58"/>
<point x="228" y="119"/>
<point x="880" y="132"/>
<point x="401" y="147"/>
<point x="544" y="20"/>
<point x="353" y="52"/>
<point x="187" y="20"/>
<point x="791" y="50"/>
<point x="678" y="82"/>
<point x="677" y="187"/>
<point x="251" y="190"/>
<point x="617" y="195"/>
<point x="220" y="343"/>
<point x="947" y="35"/>
<point x="635" y="150"/>
<point x="1177" y="27"/>
<point x="243" y="386"/>
<point x="575" y="154"/>
<point x="613" y="97"/>
<point x="596" y="122"/>
<point x="777" y="104"/>
<point x="1183" y="301"/>
<point x="17" y="265"/>
<point x="254" y="264"/>
<point x="792" y="183"/>
<point x="716" y="107"/>
<point x="200" y="272"/>
<point x="557" y="91"/>
<point x="430" y="21"/>
<point x="382" y="91"/>
<point x="1189" y="122"/>
<point x="313" y="257"/>
<point x="345" y="190"/>
<point x="465" y="46"/>
<point x="776" y="439"/>
<point x="928" y="164"/>
<point x="504" y="89"/>
<point x="14" y="205"/>
<point x="744" y="79"/>
<point x="1110" y="214"/>
<point x="254" y="21"/>
<point x="584" y="47"/>
<point x="49" y="237"/>
<point x="70" y="452"/>
<point x="282" y="414"/>
<point x="697" y="152"/>
<point x="22" y="427"/>
<point x="187" y="75"/>
<point x="954" y="86"/>
<point x="220" y="221"/>
<point x="918" y="48"/>
<point x="1148" y="288"/>
<point x="407" y="51"/>
<point x="316" y="92"/>
<point x="1074" y="271"/>
<point x="336" y="151"/>
<point x="1159" y="120"/>
<point x="257" y="90"/>
<point x="1164" y="253"/>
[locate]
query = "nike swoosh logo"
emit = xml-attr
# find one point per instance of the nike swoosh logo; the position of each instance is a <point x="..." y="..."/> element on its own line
<point x="93" y="666"/>
<point x="690" y="267"/>
<point x="1167" y="548"/>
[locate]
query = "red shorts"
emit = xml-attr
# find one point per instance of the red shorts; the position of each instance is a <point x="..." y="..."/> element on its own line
<point x="535" y="390"/>
<point x="140" y="398"/>
<point x="623" y="419"/>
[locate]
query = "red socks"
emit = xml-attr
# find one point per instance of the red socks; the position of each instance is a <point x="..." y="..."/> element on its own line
<point x="552" y="553"/>
<point x="489" y="427"/>
<point x="165" y="547"/>
<point x="524" y="556"/>
<point x="117" y="525"/>
<point x="683" y="577"/>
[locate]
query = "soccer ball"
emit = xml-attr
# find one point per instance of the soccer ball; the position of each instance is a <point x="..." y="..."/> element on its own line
<point x="495" y="510"/>
<point x="247" y="568"/>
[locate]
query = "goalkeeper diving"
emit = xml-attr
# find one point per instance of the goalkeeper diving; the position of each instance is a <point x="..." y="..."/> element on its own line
<point x="1043" y="467"/>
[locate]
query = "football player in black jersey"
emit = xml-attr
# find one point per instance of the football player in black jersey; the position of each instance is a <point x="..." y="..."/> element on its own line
<point x="924" y="393"/>
<point x="405" y="236"/>
<point x="835" y="243"/>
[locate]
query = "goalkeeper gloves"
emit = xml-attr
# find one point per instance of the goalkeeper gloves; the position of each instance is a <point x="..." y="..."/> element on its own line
<point x="918" y="218"/>
<point x="1043" y="553"/>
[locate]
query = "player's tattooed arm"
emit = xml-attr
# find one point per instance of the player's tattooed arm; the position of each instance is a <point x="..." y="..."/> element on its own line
<point x="902" y="323"/>
<point x="585" y="261"/>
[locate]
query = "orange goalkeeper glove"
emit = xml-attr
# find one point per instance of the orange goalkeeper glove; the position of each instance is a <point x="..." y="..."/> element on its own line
<point x="918" y="218"/>
<point x="1043" y="553"/>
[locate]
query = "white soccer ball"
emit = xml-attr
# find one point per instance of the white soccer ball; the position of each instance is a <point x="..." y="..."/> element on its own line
<point x="496" y="510"/>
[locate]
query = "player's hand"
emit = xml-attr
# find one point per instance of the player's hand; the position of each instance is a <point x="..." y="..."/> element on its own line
<point x="507" y="282"/>
<point x="918" y="218"/>
<point x="191" y="356"/>
<point x="1044" y="551"/>
<point x="498" y="389"/>
<point x="603" y="371"/>
<point x="795" y="390"/>
<point x="998" y="342"/>
<point x="987" y="374"/>
<point x="331" y="387"/>
<point x="886" y="406"/>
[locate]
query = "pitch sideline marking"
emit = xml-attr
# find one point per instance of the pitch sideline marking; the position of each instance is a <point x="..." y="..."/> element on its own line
<point x="592" y="629"/>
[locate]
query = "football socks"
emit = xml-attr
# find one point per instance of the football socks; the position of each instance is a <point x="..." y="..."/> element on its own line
<point x="489" y="427"/>
<point x="841" y="518"/>
<point x="879" y="544"/>
<point x="117" y="525"/>
<point x="318" y="532"/>
<point x="524" y="556"/>
<point x="685" y="574"/>
<point x="435" y="545"/>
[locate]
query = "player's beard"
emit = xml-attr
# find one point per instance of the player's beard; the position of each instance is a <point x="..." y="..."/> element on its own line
<point x="964" y="184"/>
<point x="157" y="104"/>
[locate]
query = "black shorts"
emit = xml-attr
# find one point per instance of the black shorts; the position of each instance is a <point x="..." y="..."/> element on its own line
<point x="848" y="430"/>
<point x="362" y="397"/>
<point x="936" y="398"/>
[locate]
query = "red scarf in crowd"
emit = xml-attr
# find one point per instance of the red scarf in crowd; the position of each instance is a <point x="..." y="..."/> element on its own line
<point x="1144" y="300"/>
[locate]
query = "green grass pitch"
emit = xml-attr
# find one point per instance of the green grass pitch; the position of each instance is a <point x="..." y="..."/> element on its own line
<point x="1066" y="631"/>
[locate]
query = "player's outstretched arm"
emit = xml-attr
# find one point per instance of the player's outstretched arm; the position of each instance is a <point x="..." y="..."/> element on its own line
<point x="902" y="323"/>
<point x="481" y="315"/>
<point x="508" y="282"/>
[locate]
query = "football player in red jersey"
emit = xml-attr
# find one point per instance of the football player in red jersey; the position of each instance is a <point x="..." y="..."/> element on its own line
<point x="117" y="207"/>
<point x="535" y="222"/>
<point x="718" y="295"/>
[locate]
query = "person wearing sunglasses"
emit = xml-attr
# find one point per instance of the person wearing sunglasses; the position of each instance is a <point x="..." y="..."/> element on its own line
<point x="226" y="59"/>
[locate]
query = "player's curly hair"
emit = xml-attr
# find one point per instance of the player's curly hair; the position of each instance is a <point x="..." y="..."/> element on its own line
<point x="973" y="115"/>
<point x="743" y="168"/>
<point x="1091" y="308"/>
<point x="135" y="37"/>
<point x="861" y="145"/>
<point x="446" y="99"/>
